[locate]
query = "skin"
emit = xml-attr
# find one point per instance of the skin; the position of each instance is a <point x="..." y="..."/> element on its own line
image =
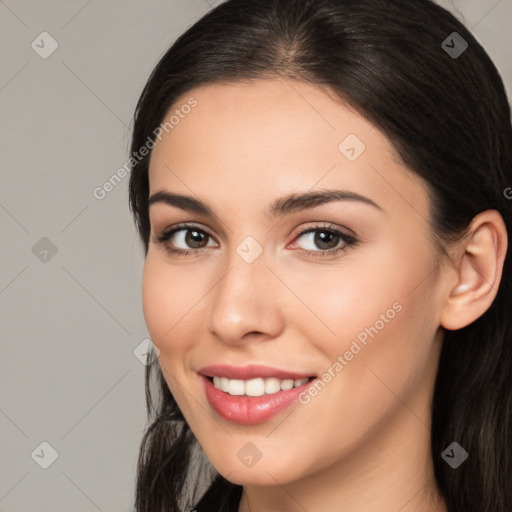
<point x="364" y="440"/>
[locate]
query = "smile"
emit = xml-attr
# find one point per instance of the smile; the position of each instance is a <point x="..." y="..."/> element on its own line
<point x="256" y="387"/>
<point x="252" y="394"/>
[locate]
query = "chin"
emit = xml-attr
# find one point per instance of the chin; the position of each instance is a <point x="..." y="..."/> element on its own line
<point x="264" y="473"/>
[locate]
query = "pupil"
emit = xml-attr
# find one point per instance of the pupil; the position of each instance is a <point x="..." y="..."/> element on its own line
<point x="191" y="235"/>
<point x="323" y="235"/>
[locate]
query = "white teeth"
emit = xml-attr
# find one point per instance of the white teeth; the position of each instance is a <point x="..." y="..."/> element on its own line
<point x="256" y="387"/>
<point x="221" y="383"/>
<point x="224" y="384"/>
<point x="272" y="385"/>
<point x="287" y="384"/>
<point x="236" y="387"/>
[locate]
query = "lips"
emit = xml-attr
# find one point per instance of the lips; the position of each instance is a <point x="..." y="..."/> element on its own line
<point x="249" y="410"/>
<point x="252" y="371"/>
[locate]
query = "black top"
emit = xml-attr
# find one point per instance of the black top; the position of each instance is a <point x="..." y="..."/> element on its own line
<point x="221" y="496"/>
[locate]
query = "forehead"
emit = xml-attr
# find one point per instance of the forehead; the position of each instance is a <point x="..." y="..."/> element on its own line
<point x="273" y="137"/>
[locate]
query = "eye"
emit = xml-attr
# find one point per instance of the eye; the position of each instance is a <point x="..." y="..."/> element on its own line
<point x="329" y="239"/>
<point x="190" y="237"/>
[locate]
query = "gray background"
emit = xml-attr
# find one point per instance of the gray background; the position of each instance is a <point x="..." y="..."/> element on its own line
<point x="70" y="321"/>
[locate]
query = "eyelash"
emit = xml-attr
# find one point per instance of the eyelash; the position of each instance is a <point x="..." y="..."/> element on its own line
<point x="349" y="240"/>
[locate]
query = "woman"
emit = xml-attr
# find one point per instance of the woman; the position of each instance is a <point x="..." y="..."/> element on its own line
<point x="321" y="190"/>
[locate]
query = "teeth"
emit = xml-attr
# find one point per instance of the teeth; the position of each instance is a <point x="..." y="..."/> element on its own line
<point x="224" y="383"/>
<point x="256" y="387"/>
<point x="272" y="386"/>
<point x="287" y="384"/>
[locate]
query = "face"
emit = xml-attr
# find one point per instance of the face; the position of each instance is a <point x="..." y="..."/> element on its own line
<point x="341" y="289"/>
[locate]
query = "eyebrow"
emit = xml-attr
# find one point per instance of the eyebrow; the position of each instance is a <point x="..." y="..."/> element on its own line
<point x="279" y="208"/>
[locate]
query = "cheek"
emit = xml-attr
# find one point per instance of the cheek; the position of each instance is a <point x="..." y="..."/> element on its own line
<point x="169" y="315"/>
<point x="344" y="301"/>
<point x="173" y="305"/>
<point x="379" y="312"/>
<point x="382" y="349"/>
<point x="162" y="296"/>
<point x="155" y="299"/>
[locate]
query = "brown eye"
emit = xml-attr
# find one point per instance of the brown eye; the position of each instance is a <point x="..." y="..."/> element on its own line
<point x="194" y="238"/>
<point x="325" y="240"/>
<point x="183" y="239"/>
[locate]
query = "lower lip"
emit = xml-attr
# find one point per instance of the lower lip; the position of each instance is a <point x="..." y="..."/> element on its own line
<point x="250" y="410"/>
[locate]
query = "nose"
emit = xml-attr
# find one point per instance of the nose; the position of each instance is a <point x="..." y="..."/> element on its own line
<point x="246" y="301"/>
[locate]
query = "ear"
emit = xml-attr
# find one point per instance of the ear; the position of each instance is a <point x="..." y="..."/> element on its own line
<point x="479" y="265"/>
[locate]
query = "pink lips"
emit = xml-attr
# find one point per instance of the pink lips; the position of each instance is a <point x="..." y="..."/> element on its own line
<point x="250" y="410"/>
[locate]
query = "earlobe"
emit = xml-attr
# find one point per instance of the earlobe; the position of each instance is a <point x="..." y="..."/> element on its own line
<point x="479" y="269"/>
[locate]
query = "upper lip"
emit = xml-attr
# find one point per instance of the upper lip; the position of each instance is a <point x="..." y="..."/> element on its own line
<point x="251" y="371"/>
